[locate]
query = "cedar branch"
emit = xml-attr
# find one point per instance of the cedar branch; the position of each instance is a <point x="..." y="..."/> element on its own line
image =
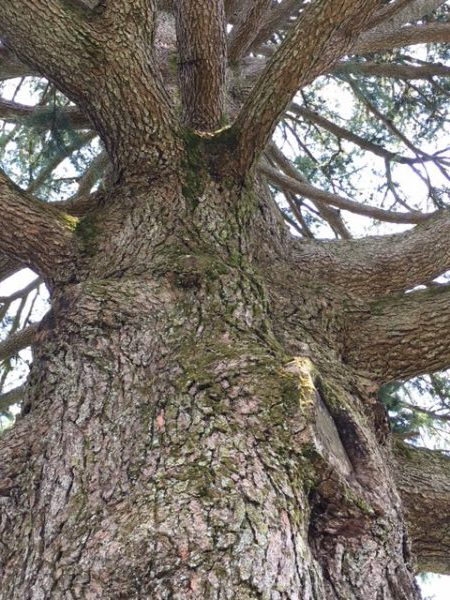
<point x="376" y="266"/>
<point x="400" y="336"/>
<point x="423" y="479"/>
<point x="18" y="341"/>
<point x="201" y="39"/>
<point x="35" y="234"/>
<point x="324" y="32"/>
<point x="298" y="186"/>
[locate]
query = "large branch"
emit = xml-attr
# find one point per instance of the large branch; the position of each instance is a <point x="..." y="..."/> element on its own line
<point x="376" y="266"/>
<point x="201" y="39"/>
<point x="246" y="28"/>
<point x="406" y="36"/>
<point x="8" y="266"/>
<point x="18" y="341"/>
<point x="277" y="19"/>
<point x="388" y="11"/>
<point x="35" y="234"/>
<point x="12" y="397"/>
<point x="423" y="479"/>
<point x="94" y="64"/>
<point x="323" y="33"/>
<point x="60" y="47"/>
<point x="400" y="336"/>
<point x="11" y="66"/>
<point x="397" y="14"/>
<point x="395" y="70"/>
<point x="44" y="116"/>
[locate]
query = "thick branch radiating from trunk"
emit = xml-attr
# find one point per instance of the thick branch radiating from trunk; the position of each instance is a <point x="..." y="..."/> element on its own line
<point x="323" y="33"/>
<point x="60" y="47"/>
<point x="423" y="479"/>
<point x="10" y="65"/>
<point x="380" y="265"/>
<point x="17" y="342"/>
<point x="44" y="116"/>
<point x="201" y="41"/>
<point x="400" y="336"/>
<point x="397" y="71"/>
<point x="246" y="28"/>
<point x="406" y="36"/>
<point x="94" y="64"/>
<point x="399" y="13"/>
<point x="35" y="234"/>
<point x="8" y="266"/>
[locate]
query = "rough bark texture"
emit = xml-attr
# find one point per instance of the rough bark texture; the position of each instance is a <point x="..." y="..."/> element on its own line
<point x="201" y="63"/>
<point x="423" y="478"/>
<point x="36" y="234"/>
<point x="177" y="445"/>
<point x="200" y="420"/>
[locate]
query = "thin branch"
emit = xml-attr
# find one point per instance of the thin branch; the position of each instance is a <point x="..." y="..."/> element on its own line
<point x="35" y="234"/>
<point x="330" y="215"/>
<point x="297" y="186"/>
<point x="324" y="32"/>
<point x="341" y="132"/>
<point x="61" y="155"/>
<point x="201" y="40"/>
<point x="18" y="341"/>
<point x="423" y="479"/>
<point x="6" y="301"/>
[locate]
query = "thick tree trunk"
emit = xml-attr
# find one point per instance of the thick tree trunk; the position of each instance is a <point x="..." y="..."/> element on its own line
<point x="188" y="435"/>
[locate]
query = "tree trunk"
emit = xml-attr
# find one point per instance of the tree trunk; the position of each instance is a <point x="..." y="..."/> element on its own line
<point x="189" y="434"/>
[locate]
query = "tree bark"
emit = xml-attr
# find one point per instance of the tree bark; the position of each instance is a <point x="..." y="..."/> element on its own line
<point x="423" y="478"/>
<point x="199" y="421"/>
<point x="241" y="469"/>
<point x="37" y="235"/>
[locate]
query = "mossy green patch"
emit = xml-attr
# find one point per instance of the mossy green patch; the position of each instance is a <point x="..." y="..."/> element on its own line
<point x="86" y="230"/>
